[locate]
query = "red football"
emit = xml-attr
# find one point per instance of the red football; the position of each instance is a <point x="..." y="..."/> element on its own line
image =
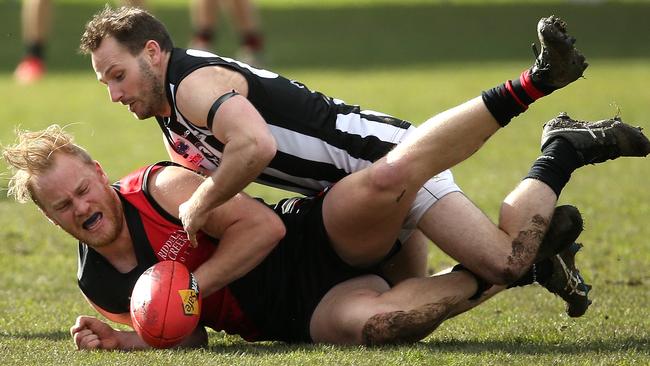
<point x="165" y="304"/>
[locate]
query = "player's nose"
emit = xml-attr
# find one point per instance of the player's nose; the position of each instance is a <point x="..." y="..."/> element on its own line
<point x="81" y="207"/>
<point x="115" y="93"/>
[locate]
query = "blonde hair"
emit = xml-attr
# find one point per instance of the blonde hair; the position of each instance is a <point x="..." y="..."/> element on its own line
<point x="33" y="153"/>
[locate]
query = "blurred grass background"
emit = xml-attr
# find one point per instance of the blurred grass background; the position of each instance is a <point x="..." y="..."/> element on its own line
<point x="408" y="58"/>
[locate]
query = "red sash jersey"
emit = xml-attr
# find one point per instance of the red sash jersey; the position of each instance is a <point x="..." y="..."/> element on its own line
<point x="157" y="236"/>
<point x="274" y="301"/>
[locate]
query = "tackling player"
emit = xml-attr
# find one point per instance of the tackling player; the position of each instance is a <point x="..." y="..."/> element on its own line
<point x="237" y="123"/>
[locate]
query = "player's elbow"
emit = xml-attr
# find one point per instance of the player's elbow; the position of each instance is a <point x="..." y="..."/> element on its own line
<point x="266" y="148"/>
<point x="257" y="150"/>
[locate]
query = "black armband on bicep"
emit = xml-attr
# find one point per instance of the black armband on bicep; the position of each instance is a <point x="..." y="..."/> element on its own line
<point x="217" y="103"/>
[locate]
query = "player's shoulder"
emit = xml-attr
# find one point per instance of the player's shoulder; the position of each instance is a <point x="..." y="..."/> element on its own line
<point x="219" y="77"/>
<point x="171" y="185"/>
<point x="171" y="176"/>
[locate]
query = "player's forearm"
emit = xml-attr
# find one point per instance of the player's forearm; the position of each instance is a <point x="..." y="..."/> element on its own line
<point x="243" y="160"/>
<point x="242" y="247"/>
<point x="130" y="341"/>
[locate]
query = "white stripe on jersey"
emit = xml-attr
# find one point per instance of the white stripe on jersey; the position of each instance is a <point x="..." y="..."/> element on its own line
<point x="315" y="149"/>
<point x="353" y="123"/>
<point x="289" y="204"/>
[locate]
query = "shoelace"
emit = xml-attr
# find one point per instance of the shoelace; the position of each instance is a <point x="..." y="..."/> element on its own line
<point x="573" y="285"/>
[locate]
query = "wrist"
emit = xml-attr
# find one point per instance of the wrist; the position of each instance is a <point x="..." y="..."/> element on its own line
<point x="129" y="340"/>
<point x="200" y="202"/>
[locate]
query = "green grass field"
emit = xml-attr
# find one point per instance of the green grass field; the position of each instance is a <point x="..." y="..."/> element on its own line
<point x="408" y="58"/>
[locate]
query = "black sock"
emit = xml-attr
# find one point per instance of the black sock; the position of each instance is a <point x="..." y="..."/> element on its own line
<point x="554" y="167"/>
<point x="35" y="49"/>
<point x="511" y="98"/>
<point x="540" y="272"/>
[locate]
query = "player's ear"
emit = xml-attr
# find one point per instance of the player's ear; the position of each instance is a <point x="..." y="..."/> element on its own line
<point x="101" y="173"/>
<point x="153" y="51"/>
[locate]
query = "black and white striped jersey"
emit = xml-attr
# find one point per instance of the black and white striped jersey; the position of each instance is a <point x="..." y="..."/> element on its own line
<point x="319" y="139"/>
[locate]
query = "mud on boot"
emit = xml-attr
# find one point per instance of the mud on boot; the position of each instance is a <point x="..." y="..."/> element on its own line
<point x="559" y="63"/>
<point x="596" y="142"/>
<point x="564" y="229"/>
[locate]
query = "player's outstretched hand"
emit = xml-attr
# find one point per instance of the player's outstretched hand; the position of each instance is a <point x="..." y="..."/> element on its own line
<point x="91" y="333"/>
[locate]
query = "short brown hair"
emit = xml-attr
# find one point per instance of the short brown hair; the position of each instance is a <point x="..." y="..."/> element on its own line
<point x="33" y="153"/>
<point x="131" y="27"/>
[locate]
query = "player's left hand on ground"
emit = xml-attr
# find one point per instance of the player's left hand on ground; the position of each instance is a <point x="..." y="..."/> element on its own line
<point x="91" y="333"/>
<point x="192" y="219"/>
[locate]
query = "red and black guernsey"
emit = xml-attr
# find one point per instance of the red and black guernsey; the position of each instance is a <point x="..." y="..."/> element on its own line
<point x="157" y="236"/>
<point x="274" y="301"/>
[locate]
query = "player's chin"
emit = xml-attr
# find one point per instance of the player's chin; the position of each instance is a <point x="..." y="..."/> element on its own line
<point x="98" y="232"/>
<point x="142" y="115"/>
<point x="137" y="115"/>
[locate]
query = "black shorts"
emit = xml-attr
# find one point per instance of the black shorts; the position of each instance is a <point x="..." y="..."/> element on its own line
<point x="281" y="294"/>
